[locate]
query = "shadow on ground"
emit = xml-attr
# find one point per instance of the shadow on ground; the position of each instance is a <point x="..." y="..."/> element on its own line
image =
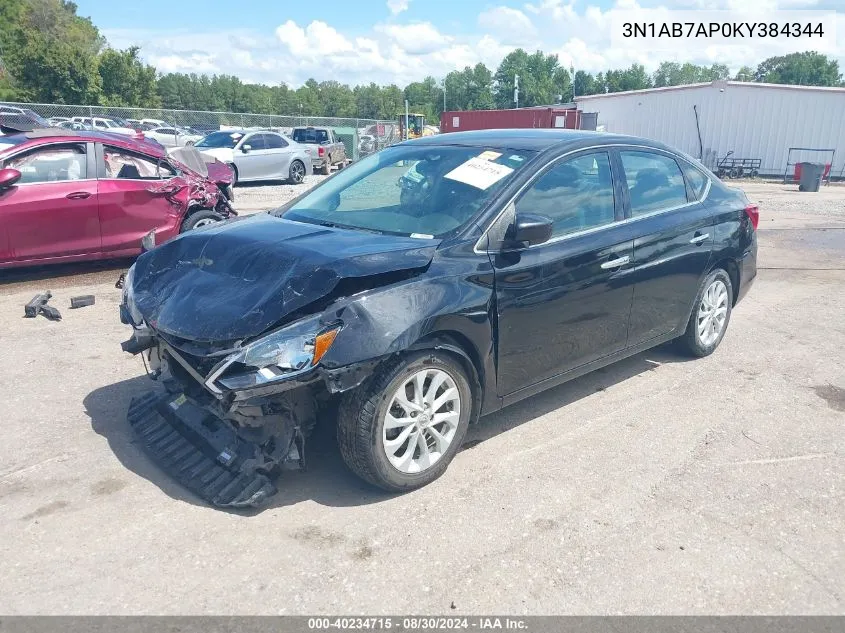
<point x="60" y="275"/>
<point x="327" y="480"/>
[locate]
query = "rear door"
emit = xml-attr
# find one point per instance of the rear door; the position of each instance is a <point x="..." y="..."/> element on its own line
<point x="252" y="165"/>
<point x="279" y="150"/>
<point x="565" y="303"/>
<point x="52" y="211"/>
<point x="135" y="197"/>
<point x="673" y="239"/>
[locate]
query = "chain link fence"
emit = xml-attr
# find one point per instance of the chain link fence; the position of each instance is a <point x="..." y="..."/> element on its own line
<point x="360" y="136"/>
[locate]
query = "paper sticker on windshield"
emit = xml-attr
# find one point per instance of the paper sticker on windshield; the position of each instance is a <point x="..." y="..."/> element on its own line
<point x="479" y="173"/>
<point x="489" y="155"/>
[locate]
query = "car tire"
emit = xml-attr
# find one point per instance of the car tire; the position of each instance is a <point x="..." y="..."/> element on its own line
<point x="296" y="172"/>
<point x="327" y="166"/>
<point x="199" y="219"/>
<point x="234" y="173"/>
<point x="380" y="456"/>
<point x="705" y="329"/>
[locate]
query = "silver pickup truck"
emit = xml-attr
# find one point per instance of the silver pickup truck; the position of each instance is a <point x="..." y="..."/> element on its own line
<point x="326" y="150"/>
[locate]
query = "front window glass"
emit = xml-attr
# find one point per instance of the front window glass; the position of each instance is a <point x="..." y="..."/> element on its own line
<point x="126" y="166"/>
<point x="50" y="164"/>
<point x="429" y="191"/>
<point x="576" y="194"/>
<point x="220" y="140"/>
<point x="655" y="182"/>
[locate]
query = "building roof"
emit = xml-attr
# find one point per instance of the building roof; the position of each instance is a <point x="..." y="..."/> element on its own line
<point x="718" y="84"/>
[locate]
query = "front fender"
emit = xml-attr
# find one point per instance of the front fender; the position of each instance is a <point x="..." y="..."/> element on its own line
<point x="391" y="320"/>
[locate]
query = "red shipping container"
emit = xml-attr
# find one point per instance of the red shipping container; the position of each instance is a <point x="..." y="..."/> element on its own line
<point x="464" y="120"/>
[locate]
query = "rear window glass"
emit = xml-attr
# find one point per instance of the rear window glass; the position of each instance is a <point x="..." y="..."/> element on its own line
<point x="655" y="182"/>
<point x="310" y="135"/>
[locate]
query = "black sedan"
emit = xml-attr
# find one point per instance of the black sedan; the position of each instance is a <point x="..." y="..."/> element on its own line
<point x="429" y="284"/>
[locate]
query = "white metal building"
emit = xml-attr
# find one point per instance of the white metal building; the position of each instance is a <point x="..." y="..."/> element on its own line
<point x="753" y="120"/>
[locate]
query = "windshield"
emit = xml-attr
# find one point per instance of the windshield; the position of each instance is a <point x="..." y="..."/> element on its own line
<point x="423" y="191"/>
<point x="220" y="139"/>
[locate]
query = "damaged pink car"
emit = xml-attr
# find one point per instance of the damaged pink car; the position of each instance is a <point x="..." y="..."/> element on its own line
<point x="71" y="196"/>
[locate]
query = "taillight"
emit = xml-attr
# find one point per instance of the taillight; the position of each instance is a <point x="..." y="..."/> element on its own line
<point x="322" y="151"/>
<point x="753" y="213"/>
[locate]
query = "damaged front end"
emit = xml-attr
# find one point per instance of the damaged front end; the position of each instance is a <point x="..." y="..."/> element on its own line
<point x="235" y="329"/>
<point x="229" y="421"/>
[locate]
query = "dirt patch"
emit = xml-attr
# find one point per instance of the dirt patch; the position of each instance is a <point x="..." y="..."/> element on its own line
<point x="317" y="536"/>
<point x="834" y="396"/>
<point x="43" y="511"/>
<point x="108" y="486"/>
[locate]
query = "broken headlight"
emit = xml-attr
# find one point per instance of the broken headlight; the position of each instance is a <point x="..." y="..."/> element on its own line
<point x="278" y="355"/>
<point x="128" y="298"/>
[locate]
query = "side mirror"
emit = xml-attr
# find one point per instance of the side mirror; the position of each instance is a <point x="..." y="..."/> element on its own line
<point x="8" y="177"/>
<point x="245" y="148"/>
<point x="531" y="229"/>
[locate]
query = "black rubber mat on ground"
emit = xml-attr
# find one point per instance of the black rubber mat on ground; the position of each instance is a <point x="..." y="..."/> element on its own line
<point x="168" y="441"/>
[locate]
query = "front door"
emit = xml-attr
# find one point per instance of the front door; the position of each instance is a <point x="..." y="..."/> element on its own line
<point x="673" y="238"/>
<point x="52" y="212"/>
<point x="134" y="200"/>
<point x="566" y="302"/>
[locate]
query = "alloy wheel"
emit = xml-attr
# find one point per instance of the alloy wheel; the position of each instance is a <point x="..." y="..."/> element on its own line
<point x="712" y="312"/>
<point x="421" y="420"/>
<point x="297" y="172"/>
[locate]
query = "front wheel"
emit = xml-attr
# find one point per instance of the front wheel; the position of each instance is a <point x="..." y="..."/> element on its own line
<point x="234" y="173"/>
<point x="400" y="429"/>
<point x="710" y="315"/>
<point x="296" y="173"/>
<point x="200" y="219"/>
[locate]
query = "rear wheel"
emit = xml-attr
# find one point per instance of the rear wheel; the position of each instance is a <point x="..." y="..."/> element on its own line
<point x="710" y="315"/>
<point x="200" y="219"/>
<point x="327" y="166"/>
<point x="296" y="173"/>
<point x="400" y="429"/>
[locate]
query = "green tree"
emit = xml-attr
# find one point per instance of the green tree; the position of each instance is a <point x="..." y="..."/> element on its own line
<point x="49" y="53"/>
<point x="674" y="74"/>
<point x="126" y="80"/>
<point x="541" y="79"/>
<point x="804" y="69"/>
<point x="746" y="73"/>
<point x="584" y="84"/>
<point x="337" y="99"/>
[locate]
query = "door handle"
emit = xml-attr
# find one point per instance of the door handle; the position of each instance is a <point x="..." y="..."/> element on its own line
<point x="616" y="263"/>
<point x="78" y="195"/>
<point x="698" y="239"/>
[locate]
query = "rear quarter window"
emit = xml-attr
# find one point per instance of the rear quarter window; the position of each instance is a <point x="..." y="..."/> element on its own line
<point x="696" y="179"/>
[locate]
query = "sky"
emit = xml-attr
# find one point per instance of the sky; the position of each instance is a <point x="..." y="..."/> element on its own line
<point x="399" y="41"/>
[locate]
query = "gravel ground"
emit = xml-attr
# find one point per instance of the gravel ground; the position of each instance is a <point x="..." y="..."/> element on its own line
<point x="250" y="198"/>
<point x="655" y="486"/>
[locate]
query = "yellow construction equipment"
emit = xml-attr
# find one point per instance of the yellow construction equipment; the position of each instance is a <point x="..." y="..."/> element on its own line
<point x="415" y="127"/>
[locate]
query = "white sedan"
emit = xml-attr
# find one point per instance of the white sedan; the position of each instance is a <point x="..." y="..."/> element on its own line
<point x="172" y="136"/>
<point x="256" y="155"/>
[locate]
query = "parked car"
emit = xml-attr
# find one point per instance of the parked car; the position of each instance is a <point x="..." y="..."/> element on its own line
<point x="105" y="125"/>
<point x="173" y="136"/>
<point x="55" y="120"/>
<point x="74" y="125"/>
<point x="70" y="196"/>
<point x="258" y="155"/>
<point x="28" y="113"/>
<point x="524" y="259"/>
<point x="326" y="150"/>
<point x="154" y="123"/>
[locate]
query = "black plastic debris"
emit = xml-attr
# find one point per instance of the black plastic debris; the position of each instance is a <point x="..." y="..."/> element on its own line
<point x="38" y="305"/>
<point x="81" y="301"/>
<point x="120" y="281"/>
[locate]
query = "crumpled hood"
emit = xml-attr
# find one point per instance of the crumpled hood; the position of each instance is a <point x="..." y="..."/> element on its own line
<point x="237" y="279"/>
<point x="224" y="154"/>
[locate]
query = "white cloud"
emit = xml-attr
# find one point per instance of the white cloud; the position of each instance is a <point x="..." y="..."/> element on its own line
<point x="397" y="6"/>
<point x="393" y="52"/>
<point x="510" y="24"/>
<point x="418" y="38"/>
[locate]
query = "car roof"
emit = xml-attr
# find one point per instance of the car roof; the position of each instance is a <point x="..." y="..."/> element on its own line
<point x="82" y="136"/>
<point x="533" y="139"/>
